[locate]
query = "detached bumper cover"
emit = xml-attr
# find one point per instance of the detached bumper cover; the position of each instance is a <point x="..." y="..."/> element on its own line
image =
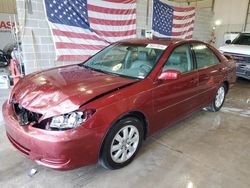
<point x="55" y="149"/>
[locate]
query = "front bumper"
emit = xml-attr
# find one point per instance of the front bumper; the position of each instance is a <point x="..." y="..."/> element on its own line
<point x="242" y="71"/>
<point x="60" y="150"/>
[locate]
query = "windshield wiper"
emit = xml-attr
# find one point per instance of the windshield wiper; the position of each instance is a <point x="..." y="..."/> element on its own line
<point x="111" y="73"/>
<point x="126" y="76"/>
<point x="97" y="70"/>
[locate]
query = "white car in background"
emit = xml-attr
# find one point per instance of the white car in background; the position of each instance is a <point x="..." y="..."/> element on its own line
<point x="239" y="49"/>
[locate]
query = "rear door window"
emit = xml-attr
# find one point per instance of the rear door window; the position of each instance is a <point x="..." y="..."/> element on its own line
<point x="205" y="57"/>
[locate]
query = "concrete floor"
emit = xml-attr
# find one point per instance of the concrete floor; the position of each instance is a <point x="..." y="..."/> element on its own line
<point x="206" y="150"/>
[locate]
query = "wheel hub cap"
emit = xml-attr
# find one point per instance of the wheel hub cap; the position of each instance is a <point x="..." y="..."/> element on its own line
<point x="220" y="97"/>
<point x="124" y="144"/>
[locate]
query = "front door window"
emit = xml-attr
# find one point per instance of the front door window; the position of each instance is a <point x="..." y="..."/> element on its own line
<point x="180" y="59"/>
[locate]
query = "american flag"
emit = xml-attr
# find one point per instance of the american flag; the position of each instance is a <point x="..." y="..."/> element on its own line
<point x="81" y="28"/>
<point x="172" y="21"/>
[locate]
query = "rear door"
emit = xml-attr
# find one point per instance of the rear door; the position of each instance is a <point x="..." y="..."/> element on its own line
<point x="209" y="71"/>
<point x="173" y="99"/>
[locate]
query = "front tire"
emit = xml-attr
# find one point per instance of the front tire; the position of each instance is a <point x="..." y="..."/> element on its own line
<point x="218" y="100"/>
<point x="122" y="143"/>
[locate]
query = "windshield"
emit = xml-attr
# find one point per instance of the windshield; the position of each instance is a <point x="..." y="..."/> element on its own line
<point x="129" y="60"/>
<point x="242" y="39"/>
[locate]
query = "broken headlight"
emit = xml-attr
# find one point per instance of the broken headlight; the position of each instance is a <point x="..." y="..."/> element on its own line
<point x="70" y="120"/>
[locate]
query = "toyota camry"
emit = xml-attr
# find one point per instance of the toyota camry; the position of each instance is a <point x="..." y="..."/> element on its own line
<point x="101" y="110"/>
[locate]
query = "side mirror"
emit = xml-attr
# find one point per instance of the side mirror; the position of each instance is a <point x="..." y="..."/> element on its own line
<point x="169" y="75"/>
<point x="228" y="42"/>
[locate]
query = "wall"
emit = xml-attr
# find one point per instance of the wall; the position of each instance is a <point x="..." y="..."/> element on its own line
<point x="232" y="15"/>
<point x="37" y="44"/>
<point x="247" y="27"/>
<point x="203" y="25"/>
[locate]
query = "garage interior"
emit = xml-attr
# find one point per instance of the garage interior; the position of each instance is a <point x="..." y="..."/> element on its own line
<point x="204" y="150"/>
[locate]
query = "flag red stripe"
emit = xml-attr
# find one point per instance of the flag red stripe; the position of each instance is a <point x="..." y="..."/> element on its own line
<point x="64" y="36"/>
<point x="111" y="22"/>
<point x="121" y="1"/>
<point x="183" y="25"/>
<point x="72" y="57"/>
<point x="183" y="9"/>
<point x="111" y="10"/>
<point x="66" y="45"/>
<point x="183" y="17"/>
<point x="76" y="35"/>
<point x="180" y="33"/>
<point x="115" y="33"/>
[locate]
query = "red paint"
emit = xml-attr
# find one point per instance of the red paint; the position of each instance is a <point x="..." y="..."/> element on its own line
<point x="6" y="25"/>
<point x="65" y="89"/>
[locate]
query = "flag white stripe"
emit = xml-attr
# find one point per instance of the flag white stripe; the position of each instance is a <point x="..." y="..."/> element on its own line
<point x="183" y="21"/>
<point x="79" y="41"/>
<point x="76" y="52"/>
<point x="111" y="5"/>
<point x="176" y="13"/>
<point x="115" y="17"/>
<point x="113" y="28"/>
<point x="86" y="31"/>
<point x="185" y="33"/>
<point x="182" y="28"/>
<point x="114" y="39"/>
<point x="71" y="29"/>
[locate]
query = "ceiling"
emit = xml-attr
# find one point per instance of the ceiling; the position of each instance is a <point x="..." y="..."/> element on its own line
<point x="8" y="6"/>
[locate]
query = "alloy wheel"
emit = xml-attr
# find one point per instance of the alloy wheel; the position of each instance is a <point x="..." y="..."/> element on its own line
<point x="220" y="97"/>
<point x="124" y="144"/>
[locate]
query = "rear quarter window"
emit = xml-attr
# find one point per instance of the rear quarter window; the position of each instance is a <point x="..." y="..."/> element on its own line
<point x="205" y="57"/>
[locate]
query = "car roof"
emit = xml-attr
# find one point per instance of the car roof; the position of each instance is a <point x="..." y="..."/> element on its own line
<point x="163" y="41"/>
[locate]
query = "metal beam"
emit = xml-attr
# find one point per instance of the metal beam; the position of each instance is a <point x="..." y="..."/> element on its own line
<point x="246" y="19"/>
<point x="147" y="12"/>
<point x="213" y="2"/>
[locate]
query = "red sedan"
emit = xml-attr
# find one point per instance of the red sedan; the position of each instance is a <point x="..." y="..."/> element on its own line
<point x="102" y="109"/>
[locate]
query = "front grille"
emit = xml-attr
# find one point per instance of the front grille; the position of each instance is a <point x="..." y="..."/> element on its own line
<point x="25" y="116"/>
<point x="241" y="69"/>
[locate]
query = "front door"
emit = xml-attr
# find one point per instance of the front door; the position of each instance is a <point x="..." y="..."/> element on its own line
<point x="174" y="99"/>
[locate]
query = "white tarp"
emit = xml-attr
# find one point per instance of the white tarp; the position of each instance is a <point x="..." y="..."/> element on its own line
<point x="6" y="23"/>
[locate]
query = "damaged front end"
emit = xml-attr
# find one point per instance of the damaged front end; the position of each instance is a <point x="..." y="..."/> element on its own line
<point x="62" y="122"/>
<point x="25" y="116"/>
<point x="53" y="99"/>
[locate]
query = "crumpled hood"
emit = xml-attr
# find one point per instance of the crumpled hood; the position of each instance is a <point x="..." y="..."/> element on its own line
<point x="64" y="89"/>
<point x="236" y="49"/>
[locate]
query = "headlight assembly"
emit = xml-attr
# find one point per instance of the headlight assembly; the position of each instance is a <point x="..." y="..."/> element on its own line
<point x="70" y="120"/>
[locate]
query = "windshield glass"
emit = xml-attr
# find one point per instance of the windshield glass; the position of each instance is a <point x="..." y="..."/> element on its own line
<point x="242" y="39"/>
<point x="129" y="60"/>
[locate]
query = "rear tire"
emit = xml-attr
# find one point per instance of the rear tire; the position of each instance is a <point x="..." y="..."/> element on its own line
<point x="122" y="143"/>
<point x="218" y="100"/>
